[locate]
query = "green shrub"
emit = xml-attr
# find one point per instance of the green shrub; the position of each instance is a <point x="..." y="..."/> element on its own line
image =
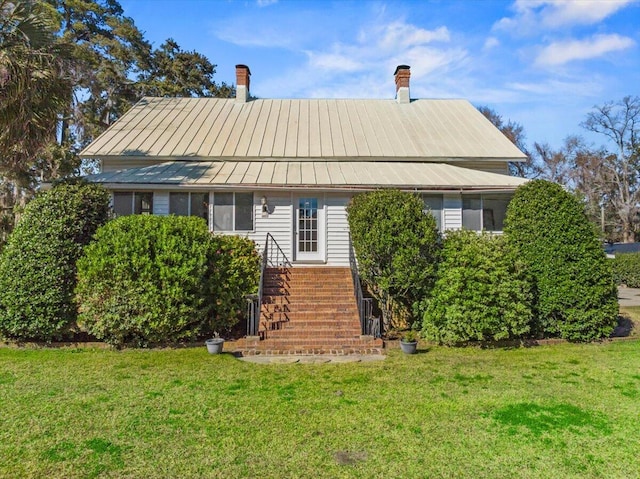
<point x="38" y="263"/>
<point x="236" y="274"/>
<point x="150" y="279"/>
<point x="397" y="244"/>
<point x="480" y="294"/>
<point x="574" y="293"/>
<point x="626" y="269"/>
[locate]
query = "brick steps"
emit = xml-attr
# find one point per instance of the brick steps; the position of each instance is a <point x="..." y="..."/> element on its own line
<point x="309" y="311"/>
<point x="301" y="307"/>
<point x="301" y="312"/>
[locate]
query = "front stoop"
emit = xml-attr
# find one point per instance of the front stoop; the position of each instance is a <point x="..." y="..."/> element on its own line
<point x="309" y="311"/>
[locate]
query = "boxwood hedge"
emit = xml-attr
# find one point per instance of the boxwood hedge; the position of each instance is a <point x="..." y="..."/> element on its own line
<point x="480" y="294"/>
<point x="575" y="296"/>
<point x="153" y="279"/>
<point x="38" y="263"/>
<point x="626" y="269"/>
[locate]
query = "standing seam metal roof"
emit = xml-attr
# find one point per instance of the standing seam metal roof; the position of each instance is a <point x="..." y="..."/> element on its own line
<point x="317" y="174"/>
<point x="326" y="129"/>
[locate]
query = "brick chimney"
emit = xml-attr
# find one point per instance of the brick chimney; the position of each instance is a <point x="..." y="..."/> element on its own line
<point x="402" y="74"/>
<point x="242" y="83"/>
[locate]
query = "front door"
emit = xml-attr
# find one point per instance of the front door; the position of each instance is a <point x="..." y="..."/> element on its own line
<point x="309" y="231"/>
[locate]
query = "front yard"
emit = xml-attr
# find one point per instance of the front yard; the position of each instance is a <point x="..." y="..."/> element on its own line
<point x="559" y="411"/>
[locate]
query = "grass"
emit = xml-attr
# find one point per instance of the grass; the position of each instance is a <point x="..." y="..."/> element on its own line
<point x="558" y="411"/>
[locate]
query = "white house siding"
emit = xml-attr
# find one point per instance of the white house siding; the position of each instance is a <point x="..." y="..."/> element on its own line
<point x="279" y="221"/>
<point x="337" y="230"/>
<point x="452" y="212"/>
<point x="500" y="167"/>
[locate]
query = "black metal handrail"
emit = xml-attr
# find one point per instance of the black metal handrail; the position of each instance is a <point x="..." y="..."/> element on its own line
<point x="369" y="325"/>
<point x="274" y="257"/>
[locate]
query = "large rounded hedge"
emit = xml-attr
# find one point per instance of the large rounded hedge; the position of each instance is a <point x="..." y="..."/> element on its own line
<point x="481" y="293"/>
<point x="153" y="279"/>
<point x="38" y="263"/>
<point x="397" y="245"/>
<point x="575" y="296"/>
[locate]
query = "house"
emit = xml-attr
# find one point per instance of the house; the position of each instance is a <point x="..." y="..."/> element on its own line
<point x="288" y="167"/>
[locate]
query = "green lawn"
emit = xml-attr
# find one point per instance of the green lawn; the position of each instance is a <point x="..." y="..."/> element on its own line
<point x="551" y="411"/>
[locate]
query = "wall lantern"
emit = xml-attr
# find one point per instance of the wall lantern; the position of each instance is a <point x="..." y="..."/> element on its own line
<point x="265" y="206"/>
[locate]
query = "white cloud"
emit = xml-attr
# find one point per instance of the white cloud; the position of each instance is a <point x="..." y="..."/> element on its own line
<point x="532" y="15"/>
<point x="363" y="67"/>
<point x="561" y="52"/>
<point x="333" y="62"/>
<point x="580" y="12"/>
<point x="490" y="43"/>
<point x="552" y="87"/>
<point x="399" y="34"/>
<point x="265" y="3"/>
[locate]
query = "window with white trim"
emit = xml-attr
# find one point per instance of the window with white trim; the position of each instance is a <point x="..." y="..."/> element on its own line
<point x="485" y="212"/>
<point x="233" y="212"/>
<point x="433" y="204"/>
<point x="189" y="204"/>
<point x="132" y="203"/>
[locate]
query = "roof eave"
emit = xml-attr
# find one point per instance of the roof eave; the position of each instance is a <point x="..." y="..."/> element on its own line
<point x="407" y="159"/>
<point x="280" y="187"/>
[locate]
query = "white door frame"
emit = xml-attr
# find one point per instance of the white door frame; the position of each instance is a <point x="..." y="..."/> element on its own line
<point x="309" y="228"/>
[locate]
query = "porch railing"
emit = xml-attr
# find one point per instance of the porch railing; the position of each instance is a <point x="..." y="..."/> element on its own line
<point x="272" y="257"/>
<point x="369" y="325"/>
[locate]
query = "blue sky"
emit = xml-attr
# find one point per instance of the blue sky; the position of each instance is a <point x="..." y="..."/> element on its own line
<point x="542" y="63"/>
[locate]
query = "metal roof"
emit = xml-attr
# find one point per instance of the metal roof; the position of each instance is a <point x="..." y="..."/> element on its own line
<point x="327" y="129"/>
<point x="316" y="174"/>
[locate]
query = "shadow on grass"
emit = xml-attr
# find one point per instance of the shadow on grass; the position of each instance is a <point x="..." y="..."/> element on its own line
<point x="624" y="328"/>
<point x="418" y="352"/>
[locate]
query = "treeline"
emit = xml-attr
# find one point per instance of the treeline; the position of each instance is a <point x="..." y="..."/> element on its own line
<point x="605" y="178"/>
<point x="67" y="71"/>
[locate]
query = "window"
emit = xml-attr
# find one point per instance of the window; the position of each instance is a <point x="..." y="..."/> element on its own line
<point x="471" y="209"/>
<point x="494" y="209"/>
<point x="132" y="202"/>
<point x="189" y="204"/>
<point x="434" y="205"/>
<point x="484" y="212"/>
<point x="233" y="212"/>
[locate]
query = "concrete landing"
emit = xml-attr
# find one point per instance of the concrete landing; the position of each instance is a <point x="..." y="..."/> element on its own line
<point x="319" y="359"/>
<point x="629" y="296"/>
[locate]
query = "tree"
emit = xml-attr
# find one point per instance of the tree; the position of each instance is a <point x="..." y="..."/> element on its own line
<point x="34" y="91"/>
<point x="580" y="168"/>
<point x="109" y="50"/>
<point x="177" y="73"/>
<point x="34" y="86"/>
<point x="397" y="245"/>
<point x="68" y="69"/>
<point x="115" y="66"/>
<point x="620" y="123"/>
<point x="574" y="294"/>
